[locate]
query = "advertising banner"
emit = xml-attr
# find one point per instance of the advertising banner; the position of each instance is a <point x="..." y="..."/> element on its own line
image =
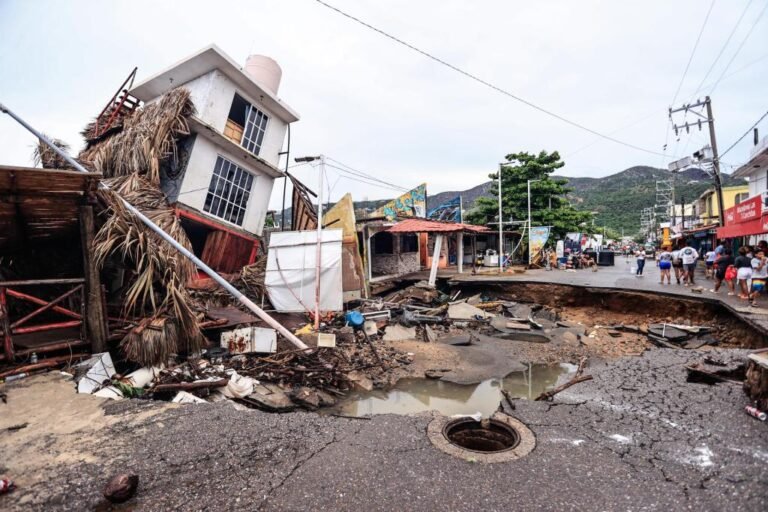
<point x="539" y="236"/>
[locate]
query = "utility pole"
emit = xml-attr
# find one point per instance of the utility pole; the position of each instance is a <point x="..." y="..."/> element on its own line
<point x="501" y="226"/>
<point x="529" y="218"/>
<point x="704" y="119"/>
<point x="319" y="241"/>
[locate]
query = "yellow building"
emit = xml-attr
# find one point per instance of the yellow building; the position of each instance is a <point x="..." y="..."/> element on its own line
<point x="707" y="210"/>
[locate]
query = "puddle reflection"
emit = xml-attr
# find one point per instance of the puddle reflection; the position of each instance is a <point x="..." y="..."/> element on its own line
<point x="416" y="395"/>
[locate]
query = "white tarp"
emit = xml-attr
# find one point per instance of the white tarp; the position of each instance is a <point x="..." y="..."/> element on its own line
<point x="290" y="275"/>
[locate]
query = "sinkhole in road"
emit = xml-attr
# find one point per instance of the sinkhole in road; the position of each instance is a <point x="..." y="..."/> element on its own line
<point x="410" y="396"/>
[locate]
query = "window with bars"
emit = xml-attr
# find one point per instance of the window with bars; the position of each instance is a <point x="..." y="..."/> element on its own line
<point x="255" y="127"/>
<point x="228" y="192"/>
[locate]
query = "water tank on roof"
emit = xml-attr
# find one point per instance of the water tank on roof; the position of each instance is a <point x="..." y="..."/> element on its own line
<point x="265" y="71"/>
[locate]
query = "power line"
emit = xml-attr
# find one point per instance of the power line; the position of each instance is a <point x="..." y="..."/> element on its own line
<point x="745" y="134"/>
<point x="722" y="48"/>
<point x="366" y="175"/>
<point x="749" y="33"/>
<point x="486" y="83"/>
<point x="354" y="177"/>
<point x="693" y="52"/>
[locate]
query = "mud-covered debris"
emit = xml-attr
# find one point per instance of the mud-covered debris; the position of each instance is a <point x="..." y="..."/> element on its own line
<point x="120" y="488"/>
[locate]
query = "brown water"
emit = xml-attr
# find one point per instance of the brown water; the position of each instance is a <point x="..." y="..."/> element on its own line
<point x="417" y="395"/>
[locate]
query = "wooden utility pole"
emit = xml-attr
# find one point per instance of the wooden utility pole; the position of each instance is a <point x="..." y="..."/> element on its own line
<point x="95" y="314"/>
<point x="715" y="161"/>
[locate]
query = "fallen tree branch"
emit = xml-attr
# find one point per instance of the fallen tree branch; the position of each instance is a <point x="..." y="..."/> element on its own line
<point x="547" y="395"/>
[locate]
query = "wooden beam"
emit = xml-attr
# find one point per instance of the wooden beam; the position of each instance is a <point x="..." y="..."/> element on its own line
<point x="95" y="314"/>
<point x="5" y="328"/>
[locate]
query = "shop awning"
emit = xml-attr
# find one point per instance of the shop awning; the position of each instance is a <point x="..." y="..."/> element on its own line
<point x="751" y="227"/>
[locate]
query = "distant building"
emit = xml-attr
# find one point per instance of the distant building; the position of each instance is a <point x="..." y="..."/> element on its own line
<point x="747" y="221"/>
<point x="228" y="166"/>
<point x="707" y="211"/>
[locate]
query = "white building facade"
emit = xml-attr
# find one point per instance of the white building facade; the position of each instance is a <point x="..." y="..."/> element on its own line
<point x="231" y="161"/>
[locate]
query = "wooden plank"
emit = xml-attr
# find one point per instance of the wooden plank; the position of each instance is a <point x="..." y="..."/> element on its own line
<point x="95" y="315"/>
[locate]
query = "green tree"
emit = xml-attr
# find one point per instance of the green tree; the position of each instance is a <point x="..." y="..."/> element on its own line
<point x="549" y="206"/>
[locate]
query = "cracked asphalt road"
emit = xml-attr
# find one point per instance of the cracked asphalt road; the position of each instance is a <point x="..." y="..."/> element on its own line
<point x="637" y="437"/>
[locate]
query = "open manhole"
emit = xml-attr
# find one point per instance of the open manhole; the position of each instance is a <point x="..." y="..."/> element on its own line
<point x="485" y="436"/>
<point x="500" y="438"/>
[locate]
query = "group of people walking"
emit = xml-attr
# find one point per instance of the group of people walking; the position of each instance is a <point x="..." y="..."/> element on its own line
<point x="747" y="271"/>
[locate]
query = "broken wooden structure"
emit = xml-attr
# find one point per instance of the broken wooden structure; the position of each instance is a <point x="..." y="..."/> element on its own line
<point x="50" y="290"/>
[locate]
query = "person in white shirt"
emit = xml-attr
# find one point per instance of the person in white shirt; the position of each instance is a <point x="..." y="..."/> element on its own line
<point x="759" y="275"/>
<point x="640" y="258"/>
<point x="709" y="260"/>
<point x="689" y="255"/>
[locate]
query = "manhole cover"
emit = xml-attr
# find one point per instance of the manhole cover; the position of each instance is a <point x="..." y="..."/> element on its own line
<point x="499" y="438"/>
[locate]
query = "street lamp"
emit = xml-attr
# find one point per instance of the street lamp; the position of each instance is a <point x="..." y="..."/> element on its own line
<point x="318" y="250"/>
<point x="529" y="218"/>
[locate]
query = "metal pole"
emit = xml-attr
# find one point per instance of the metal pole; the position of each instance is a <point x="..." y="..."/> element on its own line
<point x="318" y="252"/>
<point x="168" y="238"/>
<point x="715" y="162"/>
<point x="285" y="180"/>
<point x="501" y="226"/>
<point x="529" y="222"/>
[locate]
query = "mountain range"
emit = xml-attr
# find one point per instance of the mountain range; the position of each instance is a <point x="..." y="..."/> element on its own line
<point x="617" y="199"/>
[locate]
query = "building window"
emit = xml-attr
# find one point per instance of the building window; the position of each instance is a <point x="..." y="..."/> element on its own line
<point x="228" y="192"/>
<point x="382" y="243"/>
<point x="246" y="125"/>
<point x="409" y="243"/>
<point x="741" y="198"/>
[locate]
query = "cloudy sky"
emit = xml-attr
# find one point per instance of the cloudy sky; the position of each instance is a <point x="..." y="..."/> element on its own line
<point x="381" y="108"/>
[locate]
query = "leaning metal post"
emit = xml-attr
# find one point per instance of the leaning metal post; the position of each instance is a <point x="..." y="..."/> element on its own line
<point x="168" y="238"/>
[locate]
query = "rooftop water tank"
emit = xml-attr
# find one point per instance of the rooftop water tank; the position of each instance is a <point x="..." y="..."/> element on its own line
<point x="265" y="71"/>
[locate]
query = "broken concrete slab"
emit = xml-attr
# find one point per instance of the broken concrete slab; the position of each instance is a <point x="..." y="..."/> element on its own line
<point x="269" y="397"/>
<point x="360" y="381"/>
<point x="306" y="397"/>
<point x="397" y="332"/>
<point x="668" y="332"/>
<point x="370" y="328"/>
<point x="464" y="311"/>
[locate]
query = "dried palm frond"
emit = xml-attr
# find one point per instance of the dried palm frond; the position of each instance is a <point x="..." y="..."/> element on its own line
<point x="250" y="281"/>
<point x="152" y="343"/>
<point x="148" y="137"/>
<point x="46" y="157"/>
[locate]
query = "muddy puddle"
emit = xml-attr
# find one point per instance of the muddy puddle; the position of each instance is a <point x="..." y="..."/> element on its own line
<point x="411" y="396"/>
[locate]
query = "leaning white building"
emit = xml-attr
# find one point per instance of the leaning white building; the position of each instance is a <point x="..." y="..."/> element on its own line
<point x="223" y="182"/>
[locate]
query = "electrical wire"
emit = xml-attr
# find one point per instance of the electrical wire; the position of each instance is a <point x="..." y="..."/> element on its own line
<point x="362" y="174"/>
<point x="722" y="49"/>
<point x="741" y="45"/>
<point x="486" y="83"/>
<point x="693" y="52"/>
<point x="353" y="177"/>
<point x="745" y="134"/>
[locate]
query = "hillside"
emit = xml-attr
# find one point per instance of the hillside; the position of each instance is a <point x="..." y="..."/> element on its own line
<point x="617" y="198"/>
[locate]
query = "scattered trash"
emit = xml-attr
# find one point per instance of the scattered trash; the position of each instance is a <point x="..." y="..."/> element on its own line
<point x="91" y="374"/>
<point x="250" y="339"/>
<point x="756" y="413"/>
<point x="326" y="340"/>
<point x="121" y="488"/>
<point x="182" y="397"/>
<point x="6" y="485"/>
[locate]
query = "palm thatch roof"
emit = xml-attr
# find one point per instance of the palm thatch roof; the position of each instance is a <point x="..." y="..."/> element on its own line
<point x="131" y="160"/>
<point x="148" y="136"/>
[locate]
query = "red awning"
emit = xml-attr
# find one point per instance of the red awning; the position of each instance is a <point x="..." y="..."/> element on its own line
<point x="751" y="227"/>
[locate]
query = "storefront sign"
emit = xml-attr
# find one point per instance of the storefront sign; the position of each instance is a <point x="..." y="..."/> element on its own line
<point x="748" y="210"/>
